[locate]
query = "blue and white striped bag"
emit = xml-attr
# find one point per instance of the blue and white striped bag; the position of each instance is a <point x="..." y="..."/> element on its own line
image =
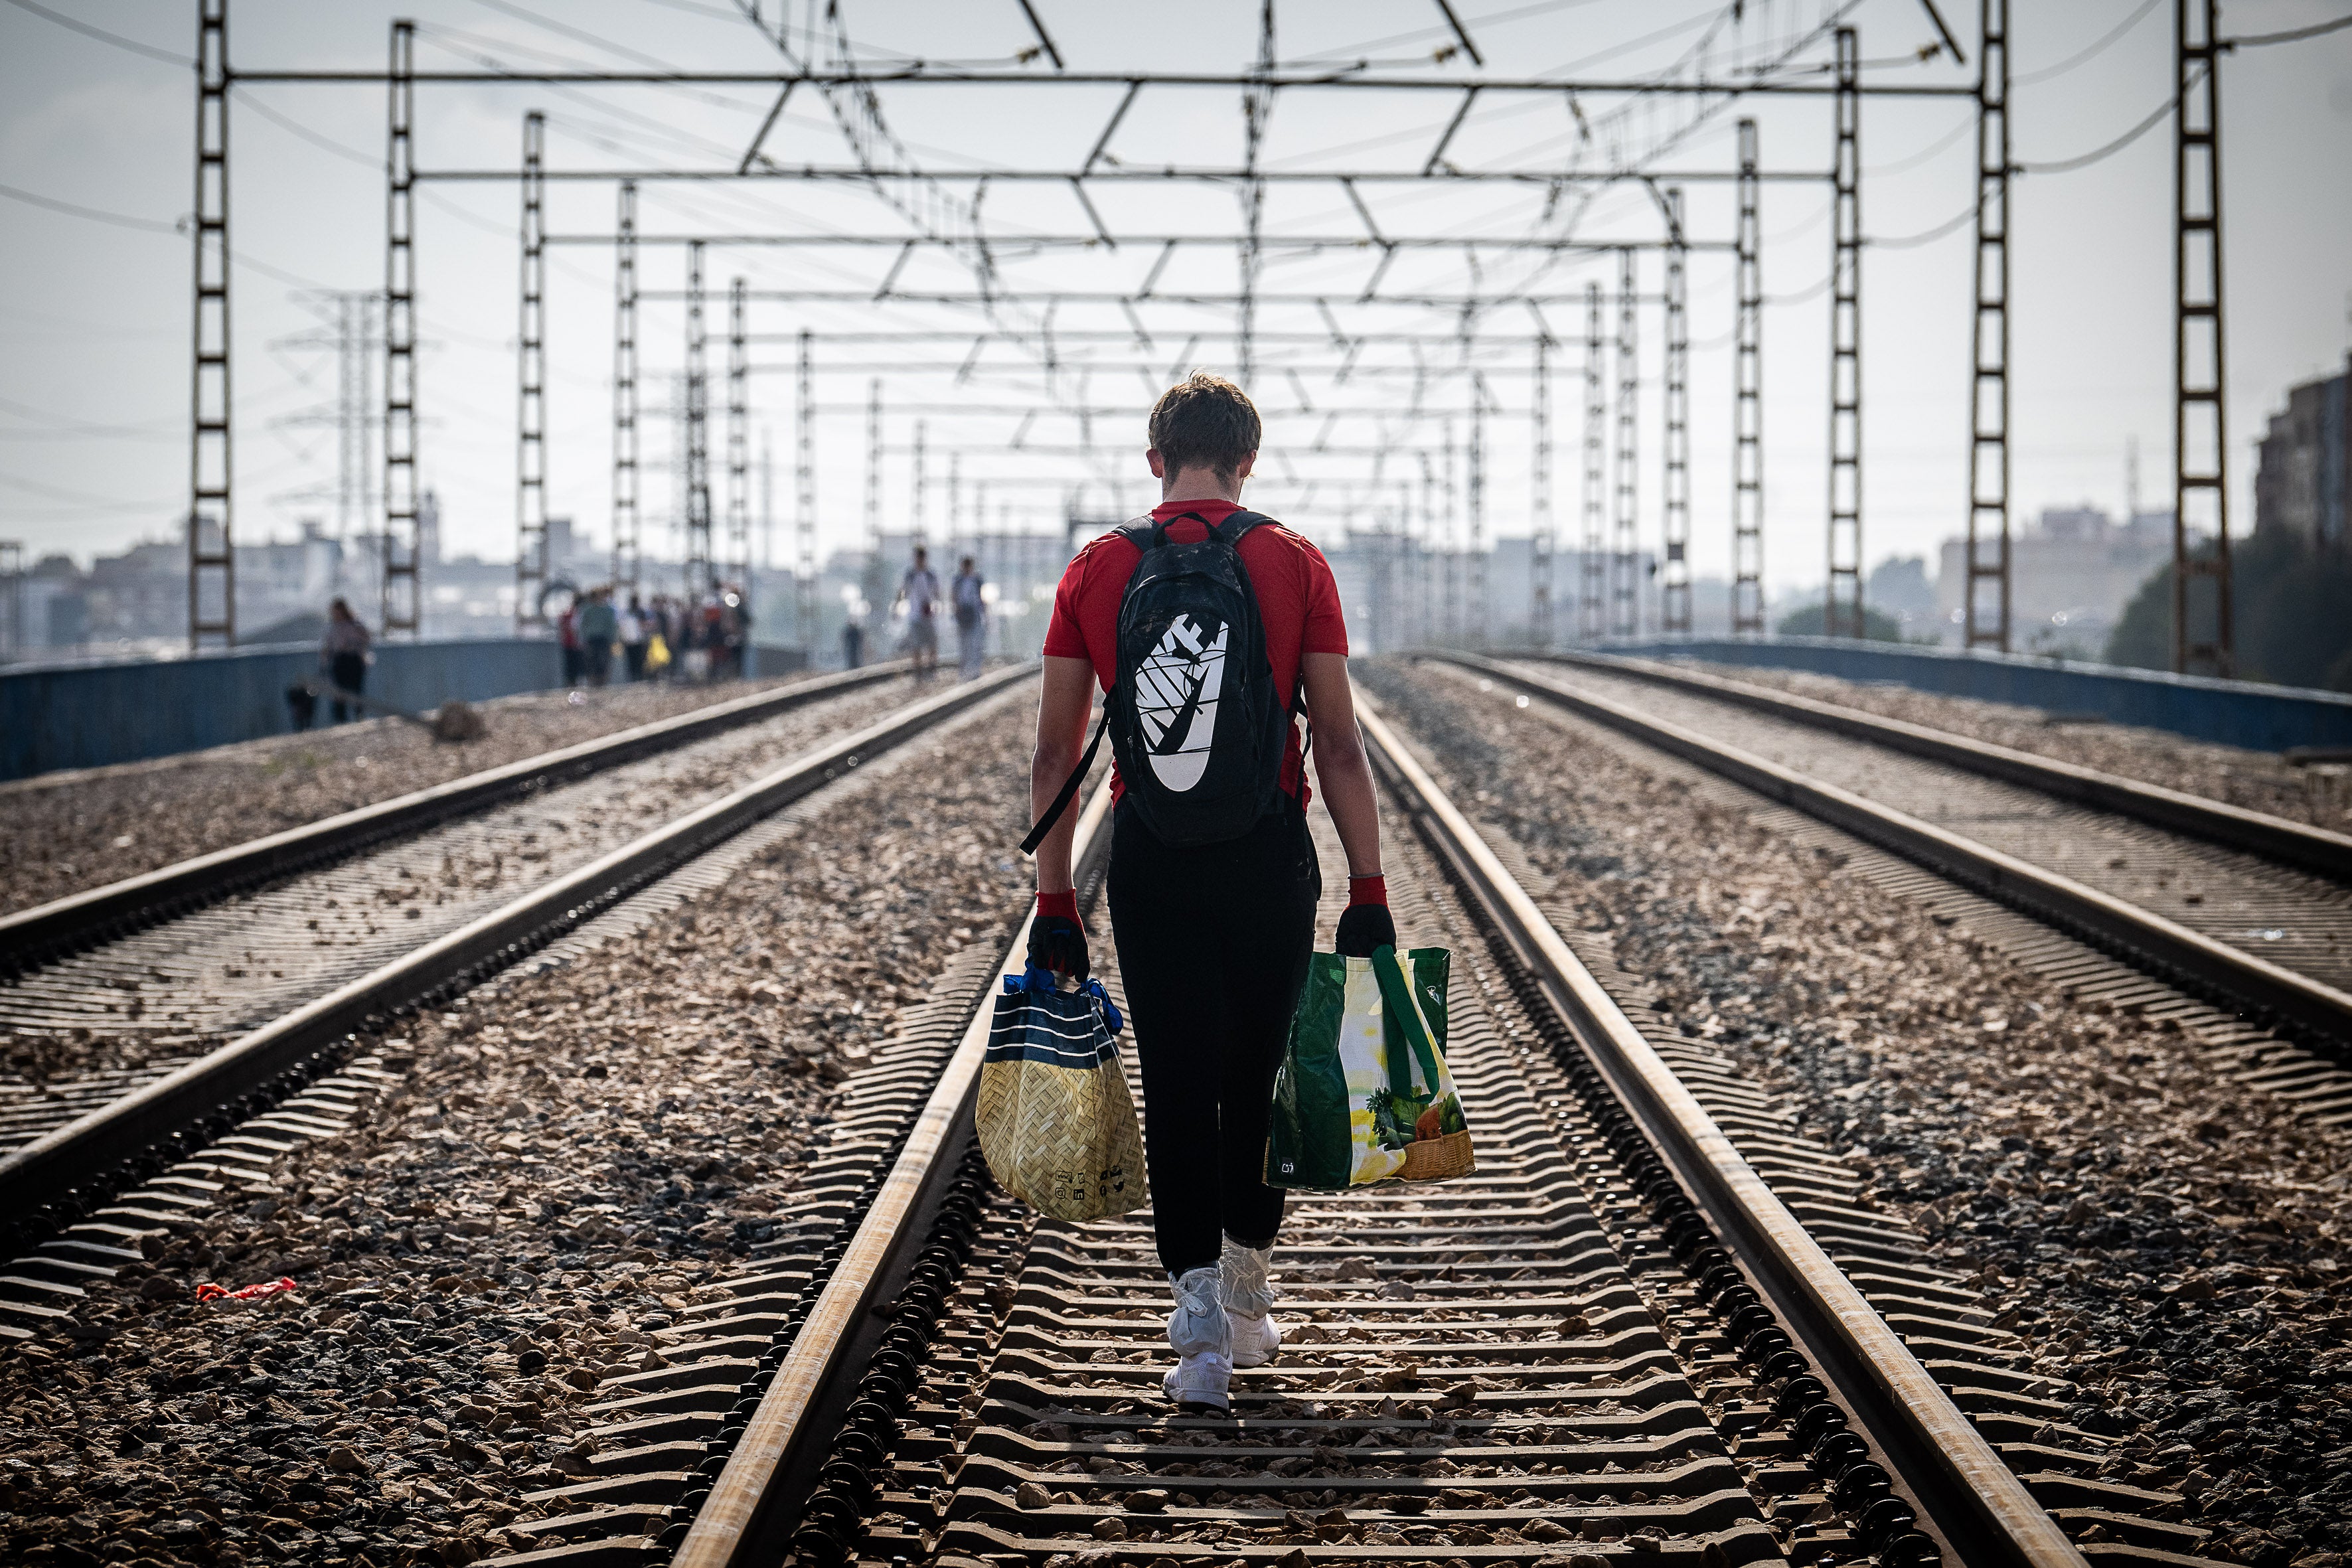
<point x="1057" y="1124"/>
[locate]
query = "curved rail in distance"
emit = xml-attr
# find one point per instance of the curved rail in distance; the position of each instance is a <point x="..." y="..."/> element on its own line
<point x="2298" y="845"/>
<point x="2269" y="991"/>
<point x="85" y="1148"/>
<point x="27" y="937"/>
<point x="1969" y="1494"/>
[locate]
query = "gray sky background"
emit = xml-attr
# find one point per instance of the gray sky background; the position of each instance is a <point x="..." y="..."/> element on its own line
<point x="94" y="316"/>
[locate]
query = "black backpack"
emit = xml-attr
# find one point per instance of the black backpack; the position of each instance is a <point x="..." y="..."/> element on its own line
<point x="1199" y="730"/>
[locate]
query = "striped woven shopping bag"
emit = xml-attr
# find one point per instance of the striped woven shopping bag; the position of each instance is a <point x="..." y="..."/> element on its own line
<point x="1057" y="1124"/>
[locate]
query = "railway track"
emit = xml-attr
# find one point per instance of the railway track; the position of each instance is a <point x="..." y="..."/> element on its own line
<point x="2238" y="908"/>
<point x="109" y="1156"/>
<point x="31" y="937"/>
<point x="1621" y="1340"/>
<point x="206" y="951"/>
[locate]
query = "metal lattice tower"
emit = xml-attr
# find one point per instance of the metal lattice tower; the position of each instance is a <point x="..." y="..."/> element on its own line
<point x="2201" y="449"/>
<point x="804" y="516"/>
<point x="766" y="559"/>
<point x="874" y="470"/>
<point x="1453" y="561"/>
<point x="1625" y="536"/>
<point x="399" y="598"/>
<point x="921" y="492"/>
<point x="212" y="552"/>
<point x="1475" y="487"/>
<point x="1748" y="401"/>
<point x="701" y="574"/>
<point x="1591" y="559"/>
<point x="1425" y="576"/>
<point x="1843" y="611"/>
<point x="12" y="594"/>
<point x="739" y="443"/>
<point x="1989" y="625"/>
<point x="1539" y="543"/>
<point x="355" y="343"/>
<point x="531" y="396"/>
<point x="1674" y="585"/>
<point x="628" y="556"/>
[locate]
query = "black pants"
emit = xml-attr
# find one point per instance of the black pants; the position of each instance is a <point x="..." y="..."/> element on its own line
<point x="347" y="671"/>
<point x="1213" y="944"/>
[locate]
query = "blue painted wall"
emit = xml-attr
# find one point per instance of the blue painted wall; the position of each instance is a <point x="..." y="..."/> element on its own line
<point x="82" y="716"/>
<point x="2235" y="714"/>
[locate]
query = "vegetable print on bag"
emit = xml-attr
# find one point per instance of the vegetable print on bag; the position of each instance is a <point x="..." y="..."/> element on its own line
<point x="1364" y="1094"/>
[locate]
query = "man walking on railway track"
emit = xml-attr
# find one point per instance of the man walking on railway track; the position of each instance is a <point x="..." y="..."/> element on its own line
<point x="1209" y="629"/>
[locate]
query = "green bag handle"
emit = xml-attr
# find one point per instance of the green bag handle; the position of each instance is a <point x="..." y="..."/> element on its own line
<point x="1396" y="999"/>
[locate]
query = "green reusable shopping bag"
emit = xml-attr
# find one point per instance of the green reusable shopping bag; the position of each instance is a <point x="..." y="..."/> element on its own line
<point x="1362" y="1094"/>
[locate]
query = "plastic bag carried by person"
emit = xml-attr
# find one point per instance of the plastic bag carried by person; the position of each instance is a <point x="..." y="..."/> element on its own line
<point x="657" y="652"/>
<point x="1362" y="1094"/>
<point x="1057" y="1124"/>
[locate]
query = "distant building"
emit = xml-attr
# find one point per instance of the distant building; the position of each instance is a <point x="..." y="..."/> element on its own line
<point x="2070" y="576"/>
<point x="2303" y="474"/>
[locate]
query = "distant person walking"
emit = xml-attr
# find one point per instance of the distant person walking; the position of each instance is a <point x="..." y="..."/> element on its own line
<point x="567" y="637"/>
<point x="637" y="635"/>
<point x="600" y="625"/>
<point x="919" y="590"/>
<point x="971" y="619"/>
<point x="343" y="657"/>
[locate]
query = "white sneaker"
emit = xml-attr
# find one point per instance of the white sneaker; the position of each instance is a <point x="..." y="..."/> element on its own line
<point x="1246" y="1293"/>
<point x="1255" y="1339"/>
<point x="1202" y="1336"/>
<point x="1199" y="1381"/>
<point x="1198" y="1324"/>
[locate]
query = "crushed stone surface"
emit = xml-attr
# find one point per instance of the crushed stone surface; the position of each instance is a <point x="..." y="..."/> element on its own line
<point x="216" y="972"/>
<point x="2175" y="1248"/>
<point x="573" y="1156"/>
<point x="2258" y="781"/>
<point x="63" y="833"/>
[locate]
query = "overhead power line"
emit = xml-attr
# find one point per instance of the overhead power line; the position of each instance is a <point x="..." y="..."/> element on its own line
<point x="2064" y="165"/>
<point x="2063" y="67"/>
<point x="103" y="35"/>
<point x="2292" y="36"/>
<point x="120" y="220"/>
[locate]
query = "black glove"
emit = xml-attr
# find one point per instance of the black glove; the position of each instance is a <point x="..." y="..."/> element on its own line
<point x="1364" y="927"/>
<point x="1060" y="943"/>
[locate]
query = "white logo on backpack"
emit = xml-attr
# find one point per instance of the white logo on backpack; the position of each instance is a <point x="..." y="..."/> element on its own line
<point x="1176" y="699"/>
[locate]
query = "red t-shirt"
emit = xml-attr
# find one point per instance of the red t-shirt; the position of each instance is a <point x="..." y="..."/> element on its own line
<point x="1298" y="602"/>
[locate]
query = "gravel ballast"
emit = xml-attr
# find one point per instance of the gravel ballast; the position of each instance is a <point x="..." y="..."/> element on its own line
<point x="2172" y="1245"/>
<point x="574" y="1155"/>
<point x="2259" y="780"/>
<point x="62" y="833"/>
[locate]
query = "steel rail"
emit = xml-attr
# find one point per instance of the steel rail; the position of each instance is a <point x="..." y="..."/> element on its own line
<point x="85" y="1148"/>
<point x="770" y="1471"/>
<point x="30" y="936"/>
<point x="2292" y="844"/>
<point x="1967" y="1493"/>
<point x="2248" y="983"/>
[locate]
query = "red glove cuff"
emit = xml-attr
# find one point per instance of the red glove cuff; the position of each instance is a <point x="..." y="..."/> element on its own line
<point x="1065" y="904"/>
<point x="1367" y="890"/>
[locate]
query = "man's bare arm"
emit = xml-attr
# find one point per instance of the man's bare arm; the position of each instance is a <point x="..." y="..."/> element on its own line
<point x="1340" y="766"/>
<point x="1062" y="711"/>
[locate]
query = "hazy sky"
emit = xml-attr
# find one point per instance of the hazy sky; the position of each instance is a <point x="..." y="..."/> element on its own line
<point x="94" y="379"/>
